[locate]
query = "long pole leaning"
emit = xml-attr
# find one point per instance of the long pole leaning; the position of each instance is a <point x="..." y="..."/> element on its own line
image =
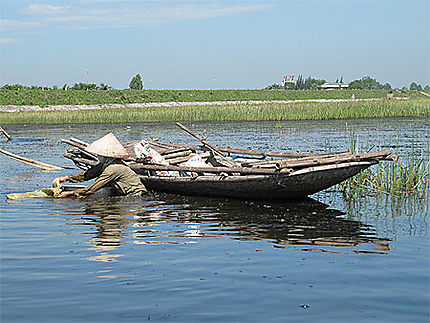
<point x="9" y="138"/>
<point x="206" y="144"/>
<point x="31" y="162"/>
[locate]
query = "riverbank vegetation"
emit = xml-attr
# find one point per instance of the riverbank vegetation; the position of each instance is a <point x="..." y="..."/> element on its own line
<point x="16" y="95"/>
<point x="404" y="176"/>
<point x="232" y="112"/>
<point x="401" y="177"/>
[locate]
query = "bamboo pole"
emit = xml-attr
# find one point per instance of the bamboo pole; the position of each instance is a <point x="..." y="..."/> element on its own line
<point x="173" y="150"/>
<point x="80" y="160"/>
<point x="177" y="154"/>
<point x="31" y="162"/>
<point x="273" y="162"/>
<point x="78" y="141"/>
<point x="334" y="160"/>
<point x="9" y="138"/>
<point x="264" y="153"/>
<point x="180" y="160"/>
<point x="208" y="145"/>
<point x="81" y="148"/>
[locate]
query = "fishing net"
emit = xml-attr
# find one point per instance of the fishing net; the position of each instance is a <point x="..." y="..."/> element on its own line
<point x="53" y="191"/>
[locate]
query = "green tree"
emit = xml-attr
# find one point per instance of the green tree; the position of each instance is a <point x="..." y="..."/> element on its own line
<point x="308" y="83"/>
<point x="274" y="86"/>
<point x="415" y="87"/>
<point x="289" y="86"/>
<point x="366" y="83"/>
<point x="13" y="87"/>
<point x="136" y="83"/>
<point x="103" y="86"/>
<point x="300" y="83"/>
<point x="84" y="86"/>
<point x="317" y="83"/>
<point x="387" y="86"/>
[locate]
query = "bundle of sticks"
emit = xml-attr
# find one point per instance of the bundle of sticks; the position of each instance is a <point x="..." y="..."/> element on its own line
<point x="222" y="159"/>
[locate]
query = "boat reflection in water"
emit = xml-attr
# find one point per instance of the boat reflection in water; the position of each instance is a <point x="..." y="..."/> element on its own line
<point x="306" y="225"/>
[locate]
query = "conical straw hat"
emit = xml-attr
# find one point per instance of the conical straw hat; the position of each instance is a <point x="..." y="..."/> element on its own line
<point x="108" y="146"/>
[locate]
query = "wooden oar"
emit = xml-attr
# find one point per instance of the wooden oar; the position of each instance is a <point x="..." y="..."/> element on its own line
<point x="31" y="162"/>
<point x="206" y="144"/>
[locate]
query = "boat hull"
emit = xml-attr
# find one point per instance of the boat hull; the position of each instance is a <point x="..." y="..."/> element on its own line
<point x="296" y="185"/>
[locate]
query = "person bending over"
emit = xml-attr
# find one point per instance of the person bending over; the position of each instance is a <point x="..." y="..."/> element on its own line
<point x="110" y="172"/>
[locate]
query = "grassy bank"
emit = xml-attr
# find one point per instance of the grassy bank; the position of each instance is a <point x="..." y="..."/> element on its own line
<point x="61" y="97"/>
<point x="403" y="177"/>
<point x="239" y="112"/>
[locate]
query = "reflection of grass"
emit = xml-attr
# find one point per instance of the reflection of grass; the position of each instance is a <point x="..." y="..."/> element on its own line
<point x="239" y="112"/>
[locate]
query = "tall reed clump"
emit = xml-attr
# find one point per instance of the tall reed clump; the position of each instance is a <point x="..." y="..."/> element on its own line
<point x="408" y="176"/>
<point x="395" y="178"/>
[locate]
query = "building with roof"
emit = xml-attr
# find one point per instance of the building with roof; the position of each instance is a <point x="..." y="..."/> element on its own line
<point x="287" y="78"/>
<point x="334" y="86"/>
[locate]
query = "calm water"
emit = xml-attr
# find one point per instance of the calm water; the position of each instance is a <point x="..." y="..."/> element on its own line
<point x="171" y="258"/>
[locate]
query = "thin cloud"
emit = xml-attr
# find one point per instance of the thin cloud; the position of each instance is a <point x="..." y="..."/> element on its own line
<point x="7" y="41"/>
<point x="123" y="14"/>
<point x="44" y="9"/>
<point x="16" y="25"/>
<point x="133" y="17"/>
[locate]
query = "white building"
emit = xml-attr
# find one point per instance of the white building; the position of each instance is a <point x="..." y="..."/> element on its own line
<point x="334" y="86"/>
<point x="287" y="78"/>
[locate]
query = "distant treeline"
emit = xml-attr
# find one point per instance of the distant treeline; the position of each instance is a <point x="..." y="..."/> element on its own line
<point x="365" y="83"/>
<point x="300" y="84"/>
<point x="136" y="83"/>
<point x="309" y="83"/>
<point x="76" y="86"/>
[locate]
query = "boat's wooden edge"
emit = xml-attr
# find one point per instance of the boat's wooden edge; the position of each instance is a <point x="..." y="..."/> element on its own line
<point x="227" y="177"/>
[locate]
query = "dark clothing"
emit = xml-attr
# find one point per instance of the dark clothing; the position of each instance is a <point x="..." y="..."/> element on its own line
<point x="119" y="176"/>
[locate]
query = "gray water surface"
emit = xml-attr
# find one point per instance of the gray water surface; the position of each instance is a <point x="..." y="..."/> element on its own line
<point x="185" y="259"/>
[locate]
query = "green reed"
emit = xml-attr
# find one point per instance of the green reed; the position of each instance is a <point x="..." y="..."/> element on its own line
<point x="236" y="112"/>
<point x="409" y="176"/>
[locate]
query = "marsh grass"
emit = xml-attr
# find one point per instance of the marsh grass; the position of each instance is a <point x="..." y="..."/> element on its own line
<point x="408" y="176"/>
<point x="236" y="112"/>
<point x="396" y="178"/>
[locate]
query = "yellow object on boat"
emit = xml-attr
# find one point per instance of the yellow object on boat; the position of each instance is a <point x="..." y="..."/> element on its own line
<point x="53" y="191"/>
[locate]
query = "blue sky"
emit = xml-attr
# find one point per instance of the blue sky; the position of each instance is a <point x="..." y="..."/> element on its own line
<point x="213" y="44"/>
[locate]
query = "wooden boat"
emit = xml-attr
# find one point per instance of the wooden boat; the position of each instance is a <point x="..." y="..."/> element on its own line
<point x="237" y="173"/>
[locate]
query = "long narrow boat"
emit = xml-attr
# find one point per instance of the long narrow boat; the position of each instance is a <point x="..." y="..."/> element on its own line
<point x="237" y="173"/>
